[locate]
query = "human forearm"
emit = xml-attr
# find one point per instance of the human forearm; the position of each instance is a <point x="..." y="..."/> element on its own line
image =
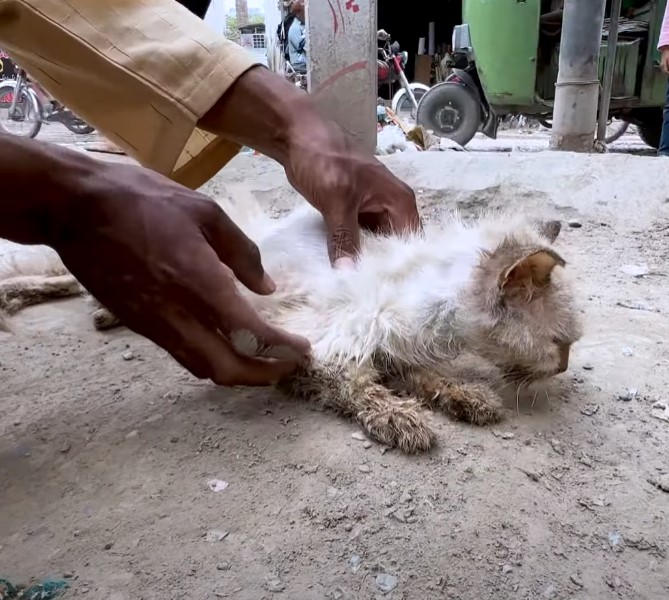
<point x="265" y="112"/>
<point x="40" y="180"/>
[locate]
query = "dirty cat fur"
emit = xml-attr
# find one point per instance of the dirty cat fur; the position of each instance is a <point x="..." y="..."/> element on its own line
<point x="384" y="334"/>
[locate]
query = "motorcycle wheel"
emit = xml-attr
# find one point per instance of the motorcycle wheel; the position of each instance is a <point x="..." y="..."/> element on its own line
<point x="79" y="127"/>
<point x="450" y="110"/>
<point x="30" y="112"/>
<point x="402" y="105"/>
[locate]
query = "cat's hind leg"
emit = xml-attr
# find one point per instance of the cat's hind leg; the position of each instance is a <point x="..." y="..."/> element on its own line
<point x="17" y="293"/>
<point x="474" y="403"/>
<point x="355" y="392"/>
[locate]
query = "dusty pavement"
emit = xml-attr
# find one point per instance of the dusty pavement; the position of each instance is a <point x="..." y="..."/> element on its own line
<point x="107" y="448"/>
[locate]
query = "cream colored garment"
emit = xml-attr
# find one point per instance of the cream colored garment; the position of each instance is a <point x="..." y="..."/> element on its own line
<point x="142" y="72"/>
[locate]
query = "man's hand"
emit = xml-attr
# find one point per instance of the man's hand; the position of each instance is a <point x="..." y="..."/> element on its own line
<point x="162" y="258"/>
<point x="263" y="111"/>
<point x="664" y="59"/>
<point x="348" y="188"/>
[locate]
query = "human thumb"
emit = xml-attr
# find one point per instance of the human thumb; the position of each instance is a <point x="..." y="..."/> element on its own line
<point x="343" y="237"/>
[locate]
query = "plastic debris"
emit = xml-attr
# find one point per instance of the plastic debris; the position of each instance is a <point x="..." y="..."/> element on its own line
<point x="635" y="270"/>
<point x="47" y="590"/>
<point x="386" y="583"/>
<point x="217" y="485"/>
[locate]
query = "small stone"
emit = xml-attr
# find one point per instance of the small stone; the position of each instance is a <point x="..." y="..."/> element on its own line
<point x="384" y="449"/>
<point x="355" y="562"/>
<point x="576" y="581"/>
<point x="128" y="355"/>
<point x="338" y="594"/>
<point x="132" y="434"/>
<point x="367" y="445"/>
<point x="365" y="469"/>
<point x="359" y="436"/>
<point x="505" y="435"/>
<point x="108" y="546"/>
<point x="216" y="535"/>
<point x="629" y="395"/>
<point x="311" y="469"/>
<point x="506" y="569"/>
<point x="223" y="566"/>
<point x="274" y="585"/>
<point x="615" y="539"/>
<point x="386" y="583"/>
<point x="65" y="448"/>
<point x="588" y="367"/>
<point x="628" y="351"/>
<point x="574" y="223"/>
<point x="68" y="575"/>
<point x="405" y="498"/>
<point x="174" y="439"/>
<point x="549" y="592"/>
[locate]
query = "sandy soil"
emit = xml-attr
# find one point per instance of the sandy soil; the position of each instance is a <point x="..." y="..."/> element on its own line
<point x="107" y="447"/>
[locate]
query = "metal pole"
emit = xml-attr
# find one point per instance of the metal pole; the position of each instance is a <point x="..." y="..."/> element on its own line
<point x="607" y="84"/>
<point x="577" y="87"/>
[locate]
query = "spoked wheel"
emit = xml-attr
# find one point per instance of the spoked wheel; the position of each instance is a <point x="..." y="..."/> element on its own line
<point x="25" y="119"/>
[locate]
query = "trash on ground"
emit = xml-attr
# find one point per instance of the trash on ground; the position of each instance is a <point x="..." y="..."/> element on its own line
<point x="217" y="485"/>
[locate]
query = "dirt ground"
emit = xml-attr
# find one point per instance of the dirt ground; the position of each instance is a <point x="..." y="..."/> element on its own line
<point x="107" y="447"/>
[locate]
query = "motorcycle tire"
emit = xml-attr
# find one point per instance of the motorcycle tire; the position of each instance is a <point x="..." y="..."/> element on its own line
<point x="29" y="100"/>
<point x="456" y="97"/>
<point x="400" y="99"/>
<point x="80" y="128"/>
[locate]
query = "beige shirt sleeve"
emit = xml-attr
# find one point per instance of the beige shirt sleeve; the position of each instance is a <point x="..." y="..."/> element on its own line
<point x="142" y="72"/>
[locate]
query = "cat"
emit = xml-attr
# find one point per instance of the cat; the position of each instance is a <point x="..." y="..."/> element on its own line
<point x="385" y="332"/>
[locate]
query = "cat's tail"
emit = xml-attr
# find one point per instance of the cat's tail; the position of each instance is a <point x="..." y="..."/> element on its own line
<point x="244" y="209"/>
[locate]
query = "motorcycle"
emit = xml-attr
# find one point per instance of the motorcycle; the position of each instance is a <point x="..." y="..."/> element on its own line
<point x="23" y="106"/>
<point x="297" y="78"/>
<point x="391" y="62"/>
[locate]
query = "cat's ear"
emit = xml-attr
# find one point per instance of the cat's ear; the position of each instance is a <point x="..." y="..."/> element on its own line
<point x="530" y="273"/>
<point x="549" y="229"/>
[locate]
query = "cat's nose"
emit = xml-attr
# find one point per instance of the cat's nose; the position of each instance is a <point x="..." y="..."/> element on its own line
<point x="563" y="363"/>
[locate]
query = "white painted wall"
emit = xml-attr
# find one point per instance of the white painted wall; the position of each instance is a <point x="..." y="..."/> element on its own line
<point x="215" y="16"/>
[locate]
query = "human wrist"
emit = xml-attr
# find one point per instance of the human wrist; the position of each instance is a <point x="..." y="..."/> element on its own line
<point x="42" y="180"/>
<point x="263" y="111"/>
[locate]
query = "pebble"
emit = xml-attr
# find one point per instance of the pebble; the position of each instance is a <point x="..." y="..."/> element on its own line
<point x="588" y="367"/>
<point x="575" y="223"/>
<point x="133" y="434"/>
<point x="365" y="469"/>
<point x="355" y="562"/>
<point x="615" y="538"/>
<point x="406" y="498"/>
<point x="628" y="351"/>
<point x="311" y="469"/>
<point x="629" y="395"/>
<point x="359" y="436"/>
<point x="367" y="445"/>
<point x="661" y="483"/>
<point x="128" y="355"/>
<point x="386" y="583"/>
<point x="65" y="448"/>
<point x="576" y="581"/>
<point x="549" y="592"/>
<point x="506" y="569"/>
<point x="223" y="566"/>
<point x="216" y="535"/>
<point x="108" y="546"/>
<point x="275" y="585"/>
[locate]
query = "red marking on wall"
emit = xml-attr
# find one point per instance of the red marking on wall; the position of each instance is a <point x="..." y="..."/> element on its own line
<point x="358" y="66"/>
<point x="335" y="23"/>
<point x="352" y="5"/>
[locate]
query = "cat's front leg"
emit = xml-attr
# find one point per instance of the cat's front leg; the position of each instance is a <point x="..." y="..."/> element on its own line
<point x="355" y="392"/>
<point x="474" y="403"/>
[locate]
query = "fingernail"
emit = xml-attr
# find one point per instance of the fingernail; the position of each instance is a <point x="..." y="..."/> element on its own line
<point x="345" y="262"/>
<point x="268" y="284"/>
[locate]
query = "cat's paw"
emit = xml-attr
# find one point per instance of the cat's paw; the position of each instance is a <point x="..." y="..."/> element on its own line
<point x="103" y="319"/>
<point x="472" y="403"/>
<point x="400" y="424"/>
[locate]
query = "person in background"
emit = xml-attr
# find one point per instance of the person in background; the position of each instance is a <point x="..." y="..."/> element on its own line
<point x="297" y="38"/>
<point x="663" y="47"/>
<point x="181" y="100"/>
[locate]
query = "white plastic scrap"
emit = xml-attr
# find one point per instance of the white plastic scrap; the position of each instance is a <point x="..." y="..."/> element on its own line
<point x="217" y="485"/>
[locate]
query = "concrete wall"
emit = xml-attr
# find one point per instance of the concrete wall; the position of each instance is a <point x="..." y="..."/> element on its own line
<point x="341" y="51"/>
